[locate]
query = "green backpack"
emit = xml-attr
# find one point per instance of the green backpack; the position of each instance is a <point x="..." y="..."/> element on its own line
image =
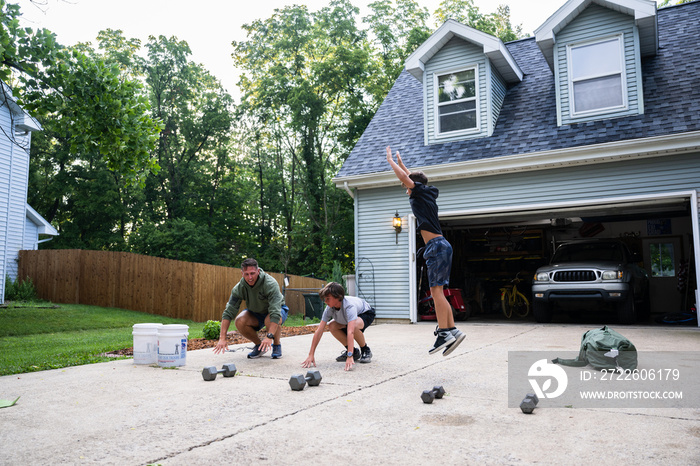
<point x="603" y="348"/>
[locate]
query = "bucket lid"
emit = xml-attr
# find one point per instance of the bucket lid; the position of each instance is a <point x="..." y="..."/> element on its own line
<point x="173" y="328"/>
<point x="146" y="325"/>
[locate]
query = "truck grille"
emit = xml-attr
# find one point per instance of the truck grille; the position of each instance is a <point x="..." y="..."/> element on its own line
<point x="575" y="276"/>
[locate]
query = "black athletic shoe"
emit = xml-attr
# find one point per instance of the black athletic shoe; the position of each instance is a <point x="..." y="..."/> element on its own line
<point x="366" y="355"/>
<point x="459" y="338"/>
<point x="343" y="357"/>
<point x="256" y="353"/>
<point x="444" y="338"/>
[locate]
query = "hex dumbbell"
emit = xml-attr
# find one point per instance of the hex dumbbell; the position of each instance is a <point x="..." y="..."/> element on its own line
<point x="209" y="373"/>
<point x="297" y="382"/>
<point x="429" y="395"/>
<point x="528" y="404"/>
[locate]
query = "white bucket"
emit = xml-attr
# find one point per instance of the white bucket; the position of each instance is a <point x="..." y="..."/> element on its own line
<point x="145" y="343"/>
<point x="172" y="345"/>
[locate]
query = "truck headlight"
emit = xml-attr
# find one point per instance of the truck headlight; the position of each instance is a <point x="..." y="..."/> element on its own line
<point x="542" y="277"/>
<point x="612" y="274"/>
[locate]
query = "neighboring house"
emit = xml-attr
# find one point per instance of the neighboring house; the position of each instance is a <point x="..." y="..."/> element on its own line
<point x="589" y="129"/>
<point x="20" y="225"/>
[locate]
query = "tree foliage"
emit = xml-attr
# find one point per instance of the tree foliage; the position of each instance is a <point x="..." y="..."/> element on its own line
<point x="87" y="99"/>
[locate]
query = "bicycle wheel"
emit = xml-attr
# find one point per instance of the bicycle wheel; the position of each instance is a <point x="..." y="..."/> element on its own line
<point x="505" y="303"/>
<point x="522" y="305"/>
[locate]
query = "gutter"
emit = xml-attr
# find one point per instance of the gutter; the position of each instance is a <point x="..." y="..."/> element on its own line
<point x="657" y="146"/>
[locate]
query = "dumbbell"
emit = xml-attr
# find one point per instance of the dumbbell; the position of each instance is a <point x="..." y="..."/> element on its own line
<point x="209" y="373"/>
<point x="528" y="404"/>
<point x="297" y="382"/>
<point x="429" y="395"/>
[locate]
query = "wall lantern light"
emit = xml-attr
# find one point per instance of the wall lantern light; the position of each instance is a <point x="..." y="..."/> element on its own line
<point x="397" y="225"/>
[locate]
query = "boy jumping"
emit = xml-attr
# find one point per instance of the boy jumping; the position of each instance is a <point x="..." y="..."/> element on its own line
<point x="438" y="251"/>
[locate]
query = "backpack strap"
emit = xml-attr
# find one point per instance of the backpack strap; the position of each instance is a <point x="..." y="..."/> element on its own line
<point x="576" y="362"/>
<point x="580" y="360"/>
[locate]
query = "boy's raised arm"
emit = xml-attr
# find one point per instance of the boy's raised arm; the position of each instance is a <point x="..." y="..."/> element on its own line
<point x="400" y="170"/>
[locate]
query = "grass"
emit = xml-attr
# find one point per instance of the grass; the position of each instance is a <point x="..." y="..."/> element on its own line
<point x="40" y="336"/>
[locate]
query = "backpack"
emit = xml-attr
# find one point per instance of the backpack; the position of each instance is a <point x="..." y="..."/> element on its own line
<point x="604" y="348"/>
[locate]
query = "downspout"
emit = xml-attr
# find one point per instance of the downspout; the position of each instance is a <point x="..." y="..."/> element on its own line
<point x="347" y="188"/>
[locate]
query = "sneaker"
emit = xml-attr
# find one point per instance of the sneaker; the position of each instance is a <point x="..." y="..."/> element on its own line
<point x="366" y="355"/>
<point x="276" y="351"/>
<point x="256" y="353"/>
<point x="444" y="338"/>
<point x="343" y="358"/>
<point x="459" y="338"/>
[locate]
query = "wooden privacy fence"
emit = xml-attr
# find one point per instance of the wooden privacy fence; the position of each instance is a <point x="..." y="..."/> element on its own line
<point x="183" y="290"/>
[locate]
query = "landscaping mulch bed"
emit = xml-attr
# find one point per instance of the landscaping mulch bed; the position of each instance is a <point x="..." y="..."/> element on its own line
<point x="233" y="338"/>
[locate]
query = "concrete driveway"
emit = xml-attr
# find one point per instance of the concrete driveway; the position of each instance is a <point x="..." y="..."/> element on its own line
<point x="120" y="413"/>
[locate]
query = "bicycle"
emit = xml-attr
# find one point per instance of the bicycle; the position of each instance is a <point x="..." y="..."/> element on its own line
<point x="512" y="300"/>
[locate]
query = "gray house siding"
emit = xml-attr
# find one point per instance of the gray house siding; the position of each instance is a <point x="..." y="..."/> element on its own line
<point x="15" y="141"/>
<point x="381" y="264"/>
<point x="376" y="240"/>
<point x="5" y="164"/>
<point x="498" y="95"/>
<point x="456" y="55"/>
<point x="19" y="170"/>
<point x="598" y="22"/>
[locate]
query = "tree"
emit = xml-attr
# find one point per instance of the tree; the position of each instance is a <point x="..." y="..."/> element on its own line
<point x="197" y="118"/>
<point x="85" y="97"/>
<point x="178" y="239"/>
<point x="305" y="79"/>
<point x="464" y="11"/>
<point x="398" y="31"/>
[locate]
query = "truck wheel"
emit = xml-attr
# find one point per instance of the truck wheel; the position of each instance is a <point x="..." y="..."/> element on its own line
<point x="542" y="311"/>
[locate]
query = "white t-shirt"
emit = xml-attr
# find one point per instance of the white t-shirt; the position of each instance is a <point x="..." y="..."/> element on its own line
<point x="352" y="307"/>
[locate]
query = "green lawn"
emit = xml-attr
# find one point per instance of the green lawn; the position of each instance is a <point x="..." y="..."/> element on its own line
<point x="41" y="336"/>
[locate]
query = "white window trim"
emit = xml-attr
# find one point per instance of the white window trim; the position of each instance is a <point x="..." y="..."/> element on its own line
<point x="623" y="78"/>
<point x="436" y="106"/>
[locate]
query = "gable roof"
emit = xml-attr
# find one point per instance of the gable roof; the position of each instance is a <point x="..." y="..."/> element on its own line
<point x="526" y="135"/>
<point x="643" y="11"/>
<point x="492" y="46"/>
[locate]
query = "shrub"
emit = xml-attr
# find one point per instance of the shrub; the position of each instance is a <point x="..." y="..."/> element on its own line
<point x="19" y="290"/>
<point x="211" y="330"/>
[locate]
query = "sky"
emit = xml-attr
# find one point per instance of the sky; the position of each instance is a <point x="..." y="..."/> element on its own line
<point x="209" y="26"/>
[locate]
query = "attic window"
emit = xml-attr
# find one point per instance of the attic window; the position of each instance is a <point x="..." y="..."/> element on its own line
<point x="596" y="76"/>
<point x="456" y="101"/>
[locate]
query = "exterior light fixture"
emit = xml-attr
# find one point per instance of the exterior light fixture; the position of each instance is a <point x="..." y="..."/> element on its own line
<point x="397" y="225"/>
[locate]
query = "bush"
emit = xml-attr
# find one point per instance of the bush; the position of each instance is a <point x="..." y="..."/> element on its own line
<point x="19" y="290"/>
<point x="211" y="330"/>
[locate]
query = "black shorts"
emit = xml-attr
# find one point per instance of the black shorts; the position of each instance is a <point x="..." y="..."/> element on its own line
<point x="367" y="318"/>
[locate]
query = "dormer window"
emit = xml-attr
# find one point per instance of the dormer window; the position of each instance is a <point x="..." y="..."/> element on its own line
<point x="597" y="79"/>
<point x="457" y="101"/>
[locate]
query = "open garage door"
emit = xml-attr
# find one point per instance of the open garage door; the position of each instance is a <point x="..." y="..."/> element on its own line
<point x="492" y="247"/>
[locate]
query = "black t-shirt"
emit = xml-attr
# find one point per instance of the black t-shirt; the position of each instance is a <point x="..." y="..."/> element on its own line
<point x="423" y="201"/>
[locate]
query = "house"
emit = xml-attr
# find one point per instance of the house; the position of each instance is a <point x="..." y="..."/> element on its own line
<point x="20" y="225"/>
<point x="591" y="128"/>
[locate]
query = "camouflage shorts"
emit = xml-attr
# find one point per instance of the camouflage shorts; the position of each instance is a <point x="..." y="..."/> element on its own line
<point x="438" y="259"/>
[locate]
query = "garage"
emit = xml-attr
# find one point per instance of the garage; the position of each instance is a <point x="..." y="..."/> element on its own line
<point x="492" y="248"/>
